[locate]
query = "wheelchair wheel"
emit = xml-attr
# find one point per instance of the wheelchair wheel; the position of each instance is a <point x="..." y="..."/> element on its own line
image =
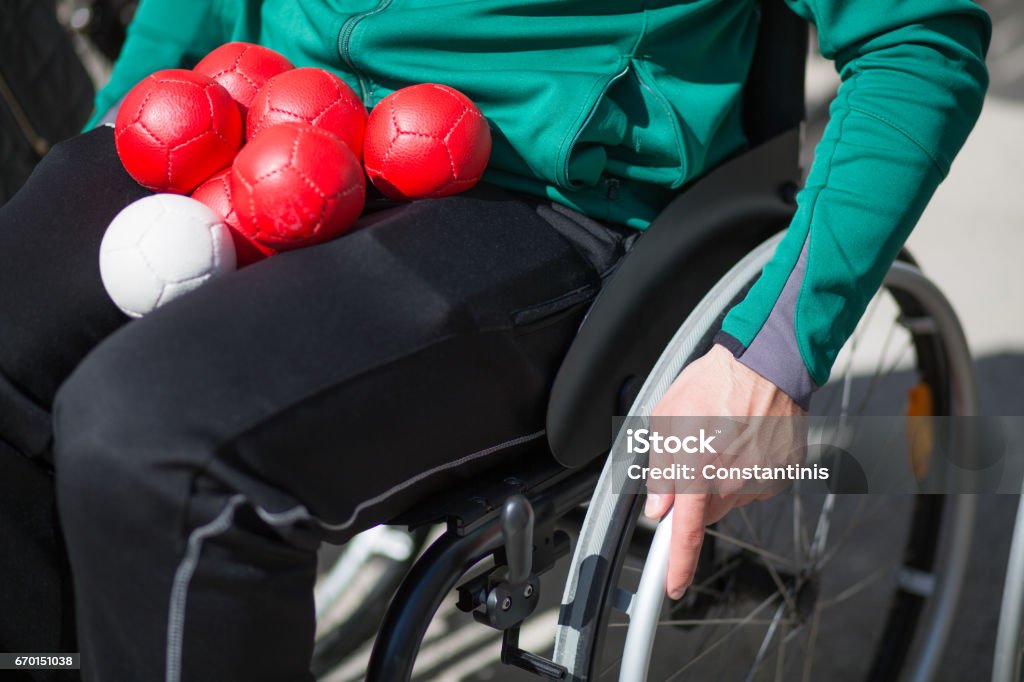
<point x="1008" y="665"/>
<point x="799" y="587"/>
<point x="354" y="585"/>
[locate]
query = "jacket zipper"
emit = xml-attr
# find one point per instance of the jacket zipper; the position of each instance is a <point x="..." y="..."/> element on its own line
<point x="344" y="40"/>
<point x="38" y="143"/>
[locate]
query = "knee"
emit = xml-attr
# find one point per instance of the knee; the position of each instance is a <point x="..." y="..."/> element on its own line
<point x="109" y="454"/>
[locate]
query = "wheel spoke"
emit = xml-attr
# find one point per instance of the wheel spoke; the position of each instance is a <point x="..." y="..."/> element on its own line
<point x="872" y="307"/>
<point x="760" y="551"/>
<point x="771" y="523"/>
<point x="750" y="526"/>
<point x="848" y="374"/>
<point x="781" y="586"/>
<point x="875" y="379"/>
<point x="882" y="354"/>
<point x="846" y="377"/>
<point x="776" y="578"/>
<point x="725" y="568"/>
<point x="856" y="588"/>
<point x="811" y="640"/>
<point x="822" y="528"/>
<point x="766" y="642"/>
<point x="706" y="590"/>
<point x="718" y="642"/>
<point x="780" y="658"/>
<point x="799" y="532"/>
<point x="853" y="524"/>
<point x="794" y="632"/>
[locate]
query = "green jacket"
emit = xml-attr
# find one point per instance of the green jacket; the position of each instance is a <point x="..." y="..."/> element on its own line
<point x="609" y="106"/>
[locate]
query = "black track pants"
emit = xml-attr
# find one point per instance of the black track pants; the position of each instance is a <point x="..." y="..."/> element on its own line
<point x="202" y="453"/>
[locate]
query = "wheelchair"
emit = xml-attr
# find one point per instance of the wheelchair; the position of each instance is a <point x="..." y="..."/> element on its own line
<point x="782" y="584"/>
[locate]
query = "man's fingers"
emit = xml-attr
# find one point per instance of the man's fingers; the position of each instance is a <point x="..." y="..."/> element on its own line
<point x="657" y="505"/>
<point x="687" y="538"/>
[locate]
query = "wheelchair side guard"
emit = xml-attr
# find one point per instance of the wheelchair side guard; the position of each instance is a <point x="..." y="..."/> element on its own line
<point x="508" y="594"/>
<point x="525" y="523"/>
<point x="742" y="202"/>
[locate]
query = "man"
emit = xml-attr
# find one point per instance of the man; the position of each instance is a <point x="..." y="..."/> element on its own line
<point x="203" y="452"/>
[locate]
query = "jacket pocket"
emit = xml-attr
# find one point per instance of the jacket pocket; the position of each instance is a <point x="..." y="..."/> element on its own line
<point x="583" y="152"/>
<point x="631" y="131"/>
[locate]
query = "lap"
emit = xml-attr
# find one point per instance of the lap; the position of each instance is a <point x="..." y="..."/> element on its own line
<point x="357" y="375"/>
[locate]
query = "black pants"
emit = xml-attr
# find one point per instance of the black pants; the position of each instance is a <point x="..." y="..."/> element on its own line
<point x="202" y="453"/>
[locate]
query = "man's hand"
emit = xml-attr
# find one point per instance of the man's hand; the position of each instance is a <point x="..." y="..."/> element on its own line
<point x="715" y="385"/>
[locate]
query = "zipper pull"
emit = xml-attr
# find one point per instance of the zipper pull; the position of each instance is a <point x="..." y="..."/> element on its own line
<point x="612" y="188"/>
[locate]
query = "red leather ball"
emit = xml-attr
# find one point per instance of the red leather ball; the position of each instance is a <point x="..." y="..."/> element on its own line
<point x="175" y="129"/>
<point x="296" y="185"/>
<point x="313" y="96"/>
<point x="425" y="141"/>
<point x="216" y="193"/>
<point x="242" y="68"/>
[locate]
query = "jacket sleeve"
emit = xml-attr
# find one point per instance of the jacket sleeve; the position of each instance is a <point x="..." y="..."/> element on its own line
<point x="913" y="81"/>
<point x="165" y="34"/>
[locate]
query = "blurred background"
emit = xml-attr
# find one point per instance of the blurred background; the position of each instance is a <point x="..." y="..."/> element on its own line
<point x="970" y="241"/>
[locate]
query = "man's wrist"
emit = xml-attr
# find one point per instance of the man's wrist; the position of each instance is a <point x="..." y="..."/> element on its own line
<point x="793" y="382"/>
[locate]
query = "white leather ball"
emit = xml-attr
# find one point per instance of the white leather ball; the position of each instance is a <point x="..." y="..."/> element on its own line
<point x="162" y="247"/>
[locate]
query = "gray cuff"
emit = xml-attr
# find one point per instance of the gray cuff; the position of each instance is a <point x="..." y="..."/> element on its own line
<point x="774" y="353"/>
